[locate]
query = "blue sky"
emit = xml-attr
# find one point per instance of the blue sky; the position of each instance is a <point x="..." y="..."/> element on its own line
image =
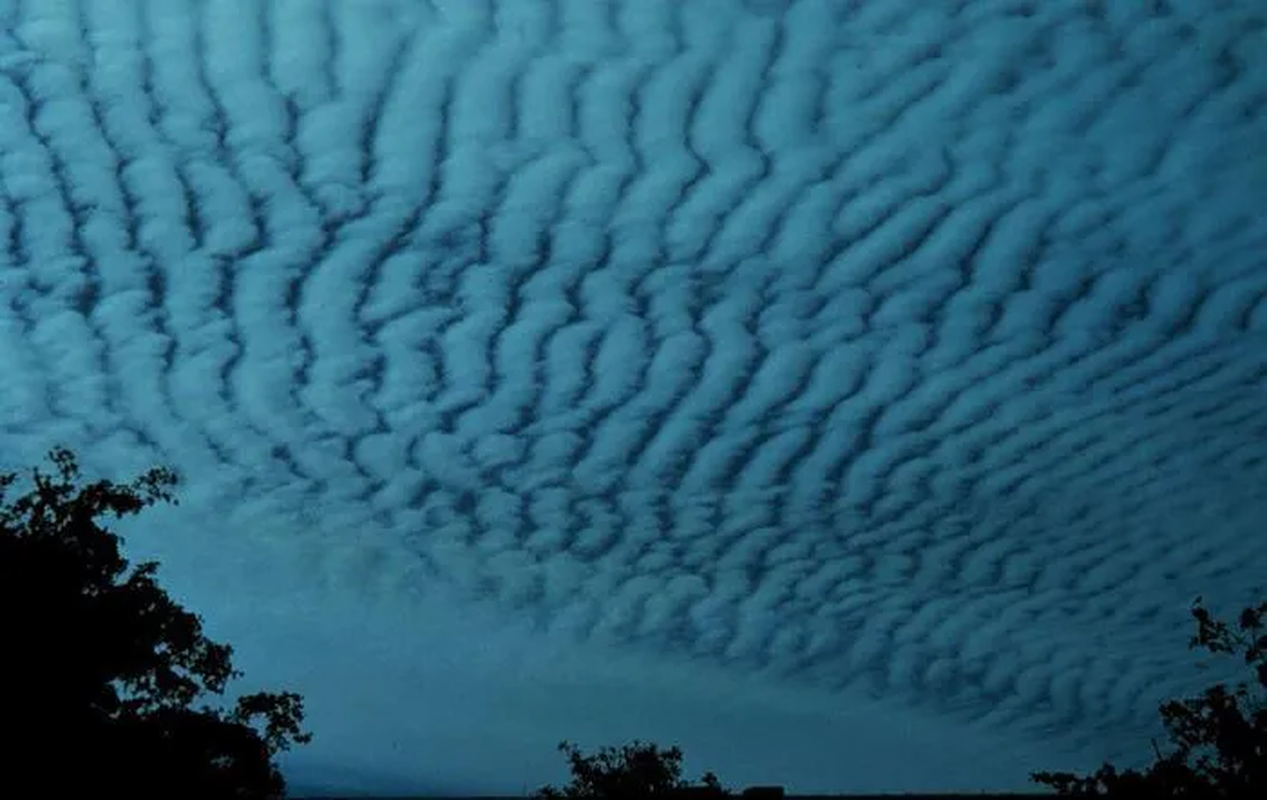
<point x="853" y="393"/>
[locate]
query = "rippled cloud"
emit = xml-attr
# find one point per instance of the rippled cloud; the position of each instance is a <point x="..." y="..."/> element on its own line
<point x="752" y="373"/>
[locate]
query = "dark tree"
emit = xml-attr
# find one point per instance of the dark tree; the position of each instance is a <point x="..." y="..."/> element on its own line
<point x="632" y="771"/>
<point x="101" y="670"/>
<point x="1218" y="739"/>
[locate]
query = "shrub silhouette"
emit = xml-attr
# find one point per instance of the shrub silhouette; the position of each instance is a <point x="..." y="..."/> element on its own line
<point x="101" y="668"/>
<point x="634" y="770"/>
<point x="1219" y="738"/>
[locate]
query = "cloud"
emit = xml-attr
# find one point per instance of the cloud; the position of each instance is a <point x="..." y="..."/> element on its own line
<point x="900" y="356"/>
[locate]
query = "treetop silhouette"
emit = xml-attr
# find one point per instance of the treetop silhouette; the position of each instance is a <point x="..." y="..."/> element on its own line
<point x="635" y="770"/>
<point x="102" y="668"/>
<point x="1218" y="739"/>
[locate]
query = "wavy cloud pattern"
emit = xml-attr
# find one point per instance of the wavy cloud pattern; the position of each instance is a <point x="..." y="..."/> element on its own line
<point x="909" y="351"/>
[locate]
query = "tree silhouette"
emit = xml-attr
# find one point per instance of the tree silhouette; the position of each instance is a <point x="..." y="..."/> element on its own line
<point x="633" y="770"/>
<point x="1219" y="738"/>
<point x="101" y="669"/>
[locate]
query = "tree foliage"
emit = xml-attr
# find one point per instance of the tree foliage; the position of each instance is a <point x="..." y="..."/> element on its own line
<point x="1218" y="739"/>
<point x="102" y="669"/>
<point x="634" y="770"/>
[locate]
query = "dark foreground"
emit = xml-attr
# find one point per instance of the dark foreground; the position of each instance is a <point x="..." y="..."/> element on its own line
<point x="959" y="796"/>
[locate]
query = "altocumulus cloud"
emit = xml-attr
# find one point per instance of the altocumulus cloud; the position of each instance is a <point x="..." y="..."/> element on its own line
<point x="853" y="392"/>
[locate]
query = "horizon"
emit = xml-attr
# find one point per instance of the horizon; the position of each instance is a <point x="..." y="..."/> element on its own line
<point x="736" y="791"/>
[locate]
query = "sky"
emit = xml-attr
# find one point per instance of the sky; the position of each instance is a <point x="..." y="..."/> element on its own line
<point x="853" y="393"/>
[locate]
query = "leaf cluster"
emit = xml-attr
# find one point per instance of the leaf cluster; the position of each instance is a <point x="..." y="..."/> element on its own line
<point x="102" y="668"/>
<point x="635" y="770"/>
<point x="1218" y="739"/>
